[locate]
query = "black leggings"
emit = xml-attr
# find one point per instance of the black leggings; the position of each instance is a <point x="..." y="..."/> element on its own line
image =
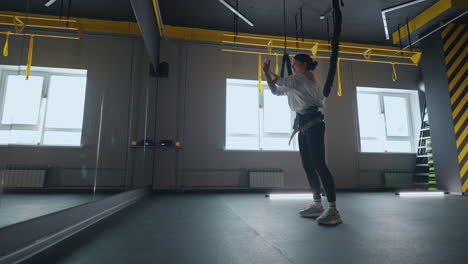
<point x="312" y="148"/>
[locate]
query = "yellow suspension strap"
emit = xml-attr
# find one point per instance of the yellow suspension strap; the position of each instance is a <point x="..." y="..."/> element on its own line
<point x="277" y="66"/>
<point x="340" y="90"/>
<point x="30" y="54"/>
<point x="394" y="74"/>
<point x="5" y="48"/>
<point x="260" y="87"/>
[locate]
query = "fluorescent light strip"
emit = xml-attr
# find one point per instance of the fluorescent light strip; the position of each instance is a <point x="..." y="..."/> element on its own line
<point x="393" y="8"/>
<point x="421" y="194"/>
<point x="291" y="196"/>
<point x="50" y="3"/>
<point x="236" y="12"/>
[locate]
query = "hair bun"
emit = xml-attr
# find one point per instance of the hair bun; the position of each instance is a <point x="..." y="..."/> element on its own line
<point x="305" y="58"/>
<point x="312" y="64"/>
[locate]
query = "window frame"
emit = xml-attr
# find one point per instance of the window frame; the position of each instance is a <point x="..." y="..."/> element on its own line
<point x="253" y="84"/>
<point x="409" y="121"/>
<point x="40" y="126"/>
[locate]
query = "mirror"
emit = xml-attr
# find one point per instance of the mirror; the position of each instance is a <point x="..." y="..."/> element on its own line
<point x="66" y="131"/>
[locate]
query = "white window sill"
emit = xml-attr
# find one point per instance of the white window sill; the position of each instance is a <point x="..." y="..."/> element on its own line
<point x="39" y="146"/>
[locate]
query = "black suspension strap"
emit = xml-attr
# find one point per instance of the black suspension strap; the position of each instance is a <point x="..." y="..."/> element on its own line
<point x="399" y="36"/>
<point x="284" y="24"/>
<point x="68" y="12"/>
<point x="61" y="8"/>
<point x="286" y="61"/>
<point x="234" y="26"/>
<point x="335" y="45"/>
<point x="302" y="25"/>
<point x="285" y="55"/>
<point x="333" y="16"/>
<point x="409" y="35"/>
<point x="237" y="18"/>
<point x="297" y="34"/>
<point x="236" y="22"/>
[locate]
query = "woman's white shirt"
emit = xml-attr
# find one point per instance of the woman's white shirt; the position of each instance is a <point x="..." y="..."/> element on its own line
<point x="301" y="91"/>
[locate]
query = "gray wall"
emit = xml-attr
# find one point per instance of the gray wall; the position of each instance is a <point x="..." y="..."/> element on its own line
<point x="440" y="115"/>
<point x="191" y="108"/>
<point x="118" y="72"/>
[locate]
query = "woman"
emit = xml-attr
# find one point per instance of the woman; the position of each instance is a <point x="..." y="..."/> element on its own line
<point x="305" y="98"/>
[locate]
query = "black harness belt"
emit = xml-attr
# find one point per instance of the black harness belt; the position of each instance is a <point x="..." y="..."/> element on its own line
<point x="311" y="117"/>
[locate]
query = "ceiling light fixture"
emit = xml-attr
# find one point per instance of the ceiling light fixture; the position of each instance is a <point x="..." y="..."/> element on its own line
<point x="393" y="8"/>
<point x="236" y="12"/>
<point x="50" y="3"/>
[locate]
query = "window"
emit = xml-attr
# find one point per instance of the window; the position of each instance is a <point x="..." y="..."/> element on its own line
<point x="47" y="109"/>
<point x="386" y="122"/>
<point x="257" y="121"/>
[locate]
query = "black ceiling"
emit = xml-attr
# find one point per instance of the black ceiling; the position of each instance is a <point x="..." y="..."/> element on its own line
<point x="362" y="21"/>
<point x="99" y="9"/>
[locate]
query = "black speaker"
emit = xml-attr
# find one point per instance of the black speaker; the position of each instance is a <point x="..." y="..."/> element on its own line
<point x="152" y="72"/>
<point x="163" y="69"/>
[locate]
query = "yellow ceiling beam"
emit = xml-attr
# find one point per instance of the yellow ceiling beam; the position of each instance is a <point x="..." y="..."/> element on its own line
<point x="34" y="21"/>
<point x="313" y="46"/>
<point x="427" y="16"/>
<point x="74" y="24"/>
<point x="319" y="46"/>
<point x="40" y="35"/>
<point x="315" y="57"/>
<point x="309" y="45"/>
<point x="218" y="36"/>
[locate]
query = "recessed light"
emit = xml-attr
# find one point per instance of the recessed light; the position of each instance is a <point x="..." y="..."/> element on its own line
<point x="50" y="3"/>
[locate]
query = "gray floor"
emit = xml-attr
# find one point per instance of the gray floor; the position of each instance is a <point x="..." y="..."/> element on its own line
<point x="249" y="228"/>
<point x="16" y="207"/>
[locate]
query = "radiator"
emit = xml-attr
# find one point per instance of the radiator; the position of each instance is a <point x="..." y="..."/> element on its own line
<point x="398" y="179"/>
<point x="266" y="178"/>
<point x="24" y="178"/>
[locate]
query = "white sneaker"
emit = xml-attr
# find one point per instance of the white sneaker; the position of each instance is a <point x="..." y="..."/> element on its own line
<point x="312" y="211"/>
<point x="331" y="216"/>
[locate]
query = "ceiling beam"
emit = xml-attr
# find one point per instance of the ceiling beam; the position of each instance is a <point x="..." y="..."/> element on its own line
<point x="393" y="8"/>
<point x="264" y="42"/>
<point x="313" y="46"/>
<point x="84" y="24"/>
<point x="427" y="16"/>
